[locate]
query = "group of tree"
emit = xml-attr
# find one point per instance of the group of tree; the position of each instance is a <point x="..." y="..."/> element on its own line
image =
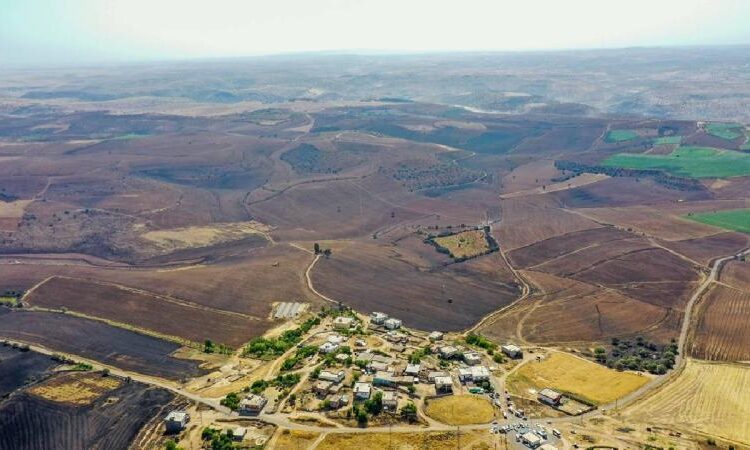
<point x="267" y="347"/>
<point x="321" y="251"/>
<point x="639" y="355"/>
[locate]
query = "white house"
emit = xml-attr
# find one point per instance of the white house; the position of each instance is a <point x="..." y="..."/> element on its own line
<point x="176" y="421"/>
<point x="362" y="391"/>
<point x="443" y="385"/>
<point x="343" y="322"/>
<point x="412" y="370"/>
<point x="333" y="377"/>
<point x="472" y="358"/>
<point x="435" y="336"/>
<point x="252" y="404"/>
<point x="513" y="351"/>
<point x="328" y="347"/>
<point x="448" y="351"/>
<point x="392" y="323"/>
<point x="378" y="318"/>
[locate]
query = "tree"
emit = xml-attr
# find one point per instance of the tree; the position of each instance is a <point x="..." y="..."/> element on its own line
<point x="316" y="248"/>
<point x="409" y="411"/>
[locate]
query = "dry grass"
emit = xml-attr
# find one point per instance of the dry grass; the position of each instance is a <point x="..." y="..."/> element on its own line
<point x="193" y="237"/>
<point x="577" y="376"/>
<point x="13" y="210"/>
<point x="295" y="439"/>
<point x="707" y="397"/>
<point x="447" y="440"/>
<point x="465" y="244"/>
<point x="76" y="388"/>
<point x="460" y="410"/>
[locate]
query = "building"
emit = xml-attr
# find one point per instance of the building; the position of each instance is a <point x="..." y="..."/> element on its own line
<point x="321" y="388"/>
<point x="549" y="397"/>
<point x="377" y="366"/>
<point x="239" y="433"/>
<point x="343" y="322"/>
<point x="383" y="378"/>
<point x="432" y="375"/>
<point x="378" y="318"/>
<point x="443" y="385"/>
<point x="412" y="370"/>
<point x="362" y="391"/>
<point x="328" y="347"/>
<point x="390" y="401"/>
<point x="448" y="351"/>
<point x="342" y="357"/>
<point x="252" y="404"/>
<point x="336" y="339"/>
<point x="472" y="358"/>
<point x="339" y="401"/>
<point x="512" y="351"/>
<point x="464" y="374"/>
<point x="392" y="324"/>
<point x="480" y="373"/>
<point x="435" y="336"/>
<point x="333" y="377"/>
<point x="176" y="421"/>
<point x="531" y="439"/>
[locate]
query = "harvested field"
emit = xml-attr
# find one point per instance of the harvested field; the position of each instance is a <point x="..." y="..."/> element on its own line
<point x="530" y="176"/>
<point x="710" y="398"/>
<point x="582" y="378"/>
<point x="77" y="388"/>
<point x="295" y="439"/>
<point x="723" y="328"/>
<point x="461" y="410"/>
<point x="584" y="179"/>
<point x="28" y="422"/>
<point x="435" y="440"/>
<point x="20" y="367"/>
<point x="737" y="275"/>
<point x="140" y="309"/>
<point x="464" y="245"/>
<point x="191" y="237"/>
<point x="97" y="341"/>
<point x="708" y="248"/>
<point x="394" y="280"/>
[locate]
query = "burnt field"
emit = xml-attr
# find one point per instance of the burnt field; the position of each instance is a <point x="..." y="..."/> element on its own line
<point x="113" y="420"/>
<point x="18" y="368"/>
<point x="98" y="341"/>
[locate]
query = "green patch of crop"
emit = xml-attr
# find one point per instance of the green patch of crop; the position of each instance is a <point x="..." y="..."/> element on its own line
<point x="728" y="131"/>
<point x="621" y="135"/>
<point x="668" y="140"/>
<point x="131" y="136"/>
<point x="692" y="162"/>
<point x="733" y="219"/>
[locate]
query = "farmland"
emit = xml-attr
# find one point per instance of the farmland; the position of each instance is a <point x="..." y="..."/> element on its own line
<point x="736" y="220"/>
<point x="621" y="135"/>
<point x="460" y="410"/>
<point x="668" y="140"/>
<point x="445" y="440"/>
<point x="706" y="397"/>
<point x="723" y="326"/>
<point x="20" y="367"/>
<point x="582" y="378"/>
<point x="693" y="162"/>
<point x="729" y="131"/>
<point x="75" y="388"/>
<point x="465" y="244"/>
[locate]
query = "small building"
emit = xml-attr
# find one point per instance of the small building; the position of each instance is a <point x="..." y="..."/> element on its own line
<point x="378" y="318"/>
<point x="377" y="366"/>
<point x="432" y="375"/>
<point x="333" y="377"/>
<point x="412" y="370"/>
<point x="342" y="357"/>
<point x="396" y="337"/>
<point x="390" y="401"/>
<point x="343" y="322"/>
<point x="239" y="433"/>
<point x="480" y="373"/>
<point x="252" y="404"/>
<point x="448" y="351"/>
<point x="321" y="388"/>
<point x="464" y="374"/>
<point x="405" y="380"/>
<point x="435" y="336"/>
<point x="360" y="343"/>
<point x="472" y="358"/>
<point x="383" y="378"/>
<point x="443" y="385"/>
<point x="328" y="347"/>
<point x="336" y="339"/>
<point x="531" y="439"/>
<point x="392" y="324"/>
<point x="176" y="421"/>
<point x="339" y="401"/>
<point x="362" y="391"/>
<point x="512" y="351"/>
<point x="549" y="397"/>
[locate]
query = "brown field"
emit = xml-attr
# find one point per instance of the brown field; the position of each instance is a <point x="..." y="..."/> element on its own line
<point x="530" y="176"/>
<point x="708" y="398"/>
<point x="461" y="410"/>
<point x="294" y="439"/>
<point x="704" y="250"/>
<point x="140" y="309"/>
<point x="190" y="237"/>
<point x="736" y="274"/>
<point x="437" y="440"/>
<point x="75" y="388"/>
<point x="466" y="244"/>
<point x="723" y="326"/>
<point x="97" y="341"/>
<point x="391" y="279"/>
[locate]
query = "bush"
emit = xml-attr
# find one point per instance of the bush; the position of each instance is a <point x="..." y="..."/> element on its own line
<point x="231" y="401"/>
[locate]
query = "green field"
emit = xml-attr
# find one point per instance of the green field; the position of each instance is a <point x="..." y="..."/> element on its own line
<point x="621" y="135"/>
<point x="693" y="162"/>
<point x="729" y="131"/>
<point x="668" y="140"/>
<point x="733" y="219"/>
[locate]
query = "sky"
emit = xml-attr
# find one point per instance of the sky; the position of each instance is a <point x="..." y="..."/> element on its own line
<point x="70" y="32"/>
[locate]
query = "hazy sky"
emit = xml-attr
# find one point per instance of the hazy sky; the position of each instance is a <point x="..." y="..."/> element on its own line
<point x="82" y="31"/>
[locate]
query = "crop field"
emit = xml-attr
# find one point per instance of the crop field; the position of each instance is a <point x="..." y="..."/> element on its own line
<point x="29" y="422"/>
<point x="465" y="244"/>
<point x="668" y="140"/>
<point x="75" y="388"/>
<point x="728" y="131"/>
<point x="621" y="136"/>
<point x="737" y="275"/>
<point x="97" y="341"/>
<point x="191" y="237"/>
<point x="705" y="249"/>
<point x="582" y="378"/>
<point x="437" y="440"/>
<point x="693" y="162"/>
<point x="188" y="321"/>
<point x="736" y="219"/>
<point x="461" y="410"/>
<point x="723" y="326"/>
<point x="709" y="398"/>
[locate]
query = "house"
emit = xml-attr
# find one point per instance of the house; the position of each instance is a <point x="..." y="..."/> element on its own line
<point x="376" y="366"/>
<point x="443" y="385"/>
<point x="390" y="401"/>
<point x="343" y="323"/>
<point x="328" y="347"/>
<point x="395" y="337"/>
<point x="472" y="358"/>
<point x="342" y="357"/>
<point x="333" y="377"/>
<point x="432" y="375"/>
<point x="512" y="351"/>
<point x="362" y="391"/>
<point x="383" y="378"/>
<point x="549" y="397"/>
<point x="405" y="380"/>
<point x="252" y="404"/>
<point x="531" y="439"/>
<point x="479" y="373"/>
<point x="378" y="318"/>
<point x="336" y="339"/>
<point x="321" y="388"/>
<point x="448" y="351"/>
<point x="176" y="421"/>
<point x="360" y="343"/>
<point x="412" y="370"/>
<point x="339" y="401"/>
<point x="435" y="336"/>
<point x="464" y="374"/>
<point x="392" y="324"/>
<point x="239" y="433"/>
